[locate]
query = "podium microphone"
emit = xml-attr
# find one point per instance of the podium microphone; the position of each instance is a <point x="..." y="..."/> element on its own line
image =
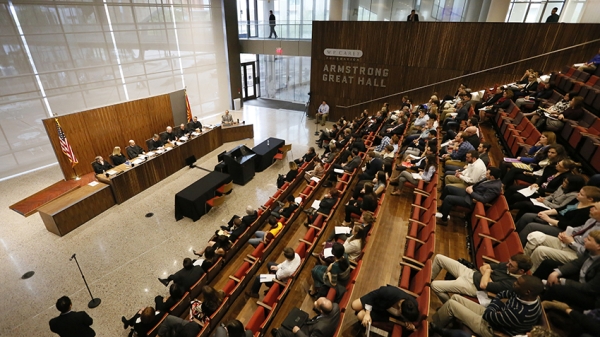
<point x="95" y="301"/>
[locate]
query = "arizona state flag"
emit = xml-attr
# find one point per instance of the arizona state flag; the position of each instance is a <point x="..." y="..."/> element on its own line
<point x="187" y="107"/>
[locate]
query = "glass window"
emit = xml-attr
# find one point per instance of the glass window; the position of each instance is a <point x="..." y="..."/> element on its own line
<point x="532" y="11"/>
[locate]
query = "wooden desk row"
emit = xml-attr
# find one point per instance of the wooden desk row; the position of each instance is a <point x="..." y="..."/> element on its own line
<point x="73" y="209"/>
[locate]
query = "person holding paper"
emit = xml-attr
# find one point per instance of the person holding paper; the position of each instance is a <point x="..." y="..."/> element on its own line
<point x="317" y="171"/>
<point x="155" y="143"/>
<point x="307" y="157"/>
<point x="539" y="118"/>
<point x="564" y="195"/>
<point x="547" y="183"/>
<point x="568" y="246"/>
<point x="413" y="178"/>
<point x="325" y="205"/>
<point x="100" y="166"/>
<point x="282" y="271"/>
<point x="460" y="149"/>
<point x="591" y="65"/>
<point x="484" y="191"/>
<point x="553" y="154"/>
<point x="354" y="244"/>
<point x="194" y="125"/>
<point x="285" y="209"/>
<point x="325" y="277"/>
<point x="134" y="150"/>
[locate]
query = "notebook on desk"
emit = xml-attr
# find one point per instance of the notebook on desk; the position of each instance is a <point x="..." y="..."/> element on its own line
<point x="296" y="317"/>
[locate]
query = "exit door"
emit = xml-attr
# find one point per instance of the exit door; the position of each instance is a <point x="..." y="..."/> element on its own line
<point x="249" y="81"/>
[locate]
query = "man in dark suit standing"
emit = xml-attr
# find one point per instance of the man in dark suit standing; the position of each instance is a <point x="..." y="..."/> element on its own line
<point x="71" y="323"/>
<point x="553" y="16"/>
<point x="323" y="325"/>
<point x="272" y="24"/>
<point x="413" y="17"/>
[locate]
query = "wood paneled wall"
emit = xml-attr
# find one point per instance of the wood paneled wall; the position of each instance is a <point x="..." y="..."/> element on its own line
<point x="96" y="132"/>
<point x="420" y="54"/>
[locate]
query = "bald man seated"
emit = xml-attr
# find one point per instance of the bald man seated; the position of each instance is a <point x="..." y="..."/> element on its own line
<point x="169" y="136"/>
<point x="322" y="325"/>
<point x="134" y="150"/>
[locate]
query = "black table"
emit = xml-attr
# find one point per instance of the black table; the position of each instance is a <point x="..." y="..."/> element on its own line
<point x="265" y="152"/>
<point x="191" y="201"/>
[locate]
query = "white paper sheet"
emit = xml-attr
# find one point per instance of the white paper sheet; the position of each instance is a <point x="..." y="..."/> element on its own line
<point x="267" y="278"/>
<point x="483" y="298"/>
<point x="342" y="230"/>
<point x="298" y="200"/>
<point x="339" y="171"/>
<point x="183" y="139"/>
<point x="316" y="204"/>
<point x="537" y="203"/>
<point x="199" y="262"/>
<point x="315" y="179"/>
<point x="111" y="172"/>
<point x="137" y="161"/>
<point x="93" y="183"/>
<point x="413" y="156"/>
<point x="416" y="176"/>
<point x="327" y="252"/>
<point x="527" y="191"/>
<point x="446" y="143"/>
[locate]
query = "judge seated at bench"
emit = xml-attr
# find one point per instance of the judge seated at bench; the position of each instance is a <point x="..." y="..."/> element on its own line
<point x="117" y="157"/>
<point x="169" y="136"/>
<point x="155" y="143"/>
<point x="181" y="131"/>
<point x="100" y="166"/>
<point x="134" y="150"/>
<point x="194" y="125"/>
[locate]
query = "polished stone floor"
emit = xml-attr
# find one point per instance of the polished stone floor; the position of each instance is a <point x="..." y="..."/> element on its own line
<point x="120" y="251"/>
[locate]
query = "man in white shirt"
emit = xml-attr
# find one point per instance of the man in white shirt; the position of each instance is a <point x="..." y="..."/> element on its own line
<point x="322" y="113"/>
<point x="282" y="271"/>
<point x="473" y="173"/>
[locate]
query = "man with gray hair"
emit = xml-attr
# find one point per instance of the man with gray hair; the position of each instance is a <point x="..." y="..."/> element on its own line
<point x="134" y="150"/>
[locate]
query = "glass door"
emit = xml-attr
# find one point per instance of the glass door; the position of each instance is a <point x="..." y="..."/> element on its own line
<point x="249" y="81"/>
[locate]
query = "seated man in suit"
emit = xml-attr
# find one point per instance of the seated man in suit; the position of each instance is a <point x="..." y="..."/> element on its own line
<point x="247" y="220"/>
<point x="155" y="143"/>
<point x="134" y="150"/>
<point x="515" y="317"/>
<point x="227" y="119"/>
<point x="186" y="277"/>
<point x="194" y="125"/>
<point x="352" y="163"/>
<point x="308" y="156"/>
<point x="484" y="191"/>
<point x="494" y="277"/>
<point x="169" y="136"/>
<point x="285" y="209"/>
<point x="323" y="325"/>
<point x="181" y="131"/>
<point x="374" y="165"/>
<point x="387" y="301"/>
<point x="71" y="323"/>
<point x="100" y="166"/>
<point x="577" y="283"/>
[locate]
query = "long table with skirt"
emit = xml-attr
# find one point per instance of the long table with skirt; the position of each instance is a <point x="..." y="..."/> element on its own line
<point x="130" y="181"/>
<point x="265" y="151"/>
<point x="191" y="201"/>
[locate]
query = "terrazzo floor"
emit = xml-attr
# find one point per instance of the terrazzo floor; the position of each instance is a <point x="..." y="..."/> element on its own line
<point x="121" y="251"/>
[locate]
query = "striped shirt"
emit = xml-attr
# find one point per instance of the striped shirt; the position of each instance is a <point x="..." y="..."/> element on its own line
<point x="513" y="317"/>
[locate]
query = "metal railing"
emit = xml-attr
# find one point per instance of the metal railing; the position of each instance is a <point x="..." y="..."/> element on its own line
<point x="468" y="75"/>
<point x="296" y="30"/>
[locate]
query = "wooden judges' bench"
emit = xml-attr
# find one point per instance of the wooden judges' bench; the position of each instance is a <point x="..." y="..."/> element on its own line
<point x="73" y="209"/>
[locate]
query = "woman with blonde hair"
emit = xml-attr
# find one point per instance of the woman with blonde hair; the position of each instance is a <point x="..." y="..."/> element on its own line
<point x="290" y="176"/>
<point x="117" y="157"/>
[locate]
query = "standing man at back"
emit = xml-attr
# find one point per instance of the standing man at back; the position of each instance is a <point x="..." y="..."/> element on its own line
<point x="272" y="24"/>
<point x="553" y="17"/>
<point x="413" y="17"/>
<point x="71" y="323"/>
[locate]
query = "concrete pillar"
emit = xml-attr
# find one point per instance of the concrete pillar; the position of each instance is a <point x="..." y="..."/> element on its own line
<point x="473" y="10"/>
<point x="591" y="12"/>
<point x="498" y="10"/>
<point x="336" y="9"/>
<point x="229" y="13"/>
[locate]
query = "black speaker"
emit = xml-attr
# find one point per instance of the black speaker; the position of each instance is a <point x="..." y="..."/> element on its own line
<point x="189" y="161"/>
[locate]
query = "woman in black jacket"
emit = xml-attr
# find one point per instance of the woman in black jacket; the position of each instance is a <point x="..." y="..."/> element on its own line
<point x="368" y="203"/>
<point x="290" y="176"/>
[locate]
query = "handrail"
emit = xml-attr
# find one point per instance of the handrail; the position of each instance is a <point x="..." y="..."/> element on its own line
<point x="470" y="74"/>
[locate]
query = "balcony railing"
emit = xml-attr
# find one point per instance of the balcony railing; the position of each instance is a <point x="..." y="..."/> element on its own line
<point x="289" y="30"/>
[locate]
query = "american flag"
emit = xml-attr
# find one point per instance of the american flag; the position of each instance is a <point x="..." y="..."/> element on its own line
<point x="64" y="145"/>
<point x="187" y="107"/>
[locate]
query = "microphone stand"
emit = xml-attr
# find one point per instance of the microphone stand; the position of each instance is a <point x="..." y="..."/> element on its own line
<point x="95" y="301"/>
